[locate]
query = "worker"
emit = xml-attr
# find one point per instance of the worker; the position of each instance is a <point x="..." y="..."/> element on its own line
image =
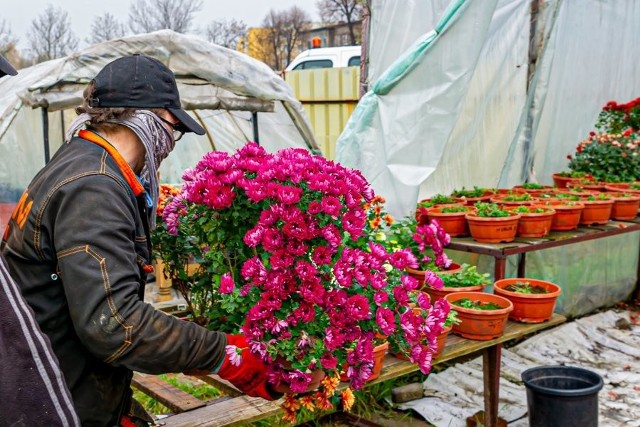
<point x="79" y="247"/>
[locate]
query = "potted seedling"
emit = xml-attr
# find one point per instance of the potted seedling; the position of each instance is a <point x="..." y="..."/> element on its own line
<point x="533" y="300"/>
<point x="492" y="223"/>
<point x="535" y="220"/>
<point x="482" y="316"/>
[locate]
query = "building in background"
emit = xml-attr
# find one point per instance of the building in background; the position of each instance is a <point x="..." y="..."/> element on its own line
<point x="329" y="35"/>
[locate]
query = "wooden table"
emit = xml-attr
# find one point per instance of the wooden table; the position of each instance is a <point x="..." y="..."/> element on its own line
<point x="500" y="251"/>
<point x="240" y="409"/>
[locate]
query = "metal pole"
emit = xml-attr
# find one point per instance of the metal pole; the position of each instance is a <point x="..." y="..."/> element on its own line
<point x="254" y="120"/>
<point x="45" y="134"/>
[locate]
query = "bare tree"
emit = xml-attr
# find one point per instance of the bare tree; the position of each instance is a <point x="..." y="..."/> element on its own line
<point x="283" y="30"/>
<point x="105" y="27"/>
<point x="296" y="21"/>
<point x="152" y="15"/>
<point x="7" y="40"/>
<point x="226" y="33"/>
<point x="349" y="11"/>
<point x="51" y="35"/>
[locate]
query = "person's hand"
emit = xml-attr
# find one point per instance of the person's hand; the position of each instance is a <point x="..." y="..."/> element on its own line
<point x="249" y="374"/>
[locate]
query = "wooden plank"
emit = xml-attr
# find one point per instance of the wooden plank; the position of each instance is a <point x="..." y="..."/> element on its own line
<point x="231" y="412"/>
<point x="165" y="393"/>
<point x="244" y="409"/>
<point x="223" y="385"/>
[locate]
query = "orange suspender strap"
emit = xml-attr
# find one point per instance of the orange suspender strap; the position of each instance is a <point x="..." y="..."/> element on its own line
<point x="129" y="176"/>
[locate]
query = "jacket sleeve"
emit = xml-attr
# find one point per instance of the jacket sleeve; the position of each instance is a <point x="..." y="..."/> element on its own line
<point x="94" y="235"/>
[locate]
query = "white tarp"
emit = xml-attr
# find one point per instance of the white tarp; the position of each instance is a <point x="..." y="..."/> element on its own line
<point x="220" y="87"/>
<point x="469" y="113"/>
<point x="490" y="94"/>
<point x="601" y="343"/>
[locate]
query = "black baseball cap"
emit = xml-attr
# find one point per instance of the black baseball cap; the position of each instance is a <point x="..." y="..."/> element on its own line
<point x="138" y="81"/>
<point x="6" y="68"/>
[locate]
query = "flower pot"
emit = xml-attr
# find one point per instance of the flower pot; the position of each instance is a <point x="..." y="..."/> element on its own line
<point x="625" y="207"/>
<point x="567" y="215"/>
<point x="627" y="187"/>
<point x="470" y="201"/>
<point x="532" y="191"/>
<point x="454" y="223"/>
<point x="562" y="396"/>
<point x="493" y="229"/>
<point x="480" y="325"/>
<point x="562" y="181"/>
<point x="504" y="201"/>
<point x="419" y="274"/>
<point x="596" y="211"/>
<point x="441" y="341"/>
<point x="535" y="224"/>
<point x="529" y="308"/>
<point x="436" y="294"/>
<point x="379" y="353"/>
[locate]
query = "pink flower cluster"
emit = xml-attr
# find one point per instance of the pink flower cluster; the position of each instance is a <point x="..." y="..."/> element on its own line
<point x="318" y="290"/>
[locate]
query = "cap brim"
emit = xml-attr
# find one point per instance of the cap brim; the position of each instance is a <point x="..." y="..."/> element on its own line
<point x="6" y="68"/>
<point x="186" y="121"/>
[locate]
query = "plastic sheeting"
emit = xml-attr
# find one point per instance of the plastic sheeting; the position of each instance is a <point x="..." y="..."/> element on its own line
<point x="220" y="87"/>
<point x="596" y="343"/>
<point x="498" y="99"/>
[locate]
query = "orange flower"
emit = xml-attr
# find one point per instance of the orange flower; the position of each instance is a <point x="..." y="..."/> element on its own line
<point x="307" y="402"/>
<point x="322" y="401"/>
<point x="330" y="384"/>
<point x="291" y="403"/>
<point x="389" y="219"/>
<point x="290" y="417"/>
<point x="348" y="399"/>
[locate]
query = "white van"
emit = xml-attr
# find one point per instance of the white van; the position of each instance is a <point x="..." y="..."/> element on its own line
<point x="326" y="57"/>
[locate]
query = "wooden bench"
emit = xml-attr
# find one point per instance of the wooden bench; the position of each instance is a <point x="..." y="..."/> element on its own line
<point x="238" y="409"/>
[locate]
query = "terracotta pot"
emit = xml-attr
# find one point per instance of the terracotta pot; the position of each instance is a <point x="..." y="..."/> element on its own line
<point x="493" y="229"/>
<point x="480" y="325"/>
<point x="441" y="341"/>
<point x="562" y="181"/>
<point x="470" y="201"/>
<point x="419" y="274"/>
<point x="533" y="191"/>
<point x="567" y="215"/>
<point x="623" y="187"/>
<point x="422" y="211"/>
<point x="535" y="224"/>
<point x="379" y="352"/>
<point x="454" y="223"/>
<point x="596" y="211"/>
<point x="436" y="294"/>
<point x="625" y="208"/>
<point x="529" y="308"/>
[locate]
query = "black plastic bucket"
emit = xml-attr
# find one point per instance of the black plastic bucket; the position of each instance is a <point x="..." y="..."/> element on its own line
<point x="562" y="396"/>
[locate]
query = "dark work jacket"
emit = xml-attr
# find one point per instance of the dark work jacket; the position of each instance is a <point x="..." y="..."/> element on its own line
<point x="76" y="245"/>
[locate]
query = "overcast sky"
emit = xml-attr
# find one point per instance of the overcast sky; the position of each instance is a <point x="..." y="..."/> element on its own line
<point x="20" y="13"/>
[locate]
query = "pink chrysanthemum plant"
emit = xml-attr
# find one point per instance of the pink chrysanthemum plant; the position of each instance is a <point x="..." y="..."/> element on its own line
<point x="426" y="242"/>
<point x="297" y="264"/>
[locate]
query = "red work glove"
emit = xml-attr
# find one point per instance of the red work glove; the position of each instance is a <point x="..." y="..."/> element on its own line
<point x="250" y="375"/>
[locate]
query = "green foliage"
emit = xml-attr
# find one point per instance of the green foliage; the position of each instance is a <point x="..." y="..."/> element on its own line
<point x="463" y="192"/>
<point x="467" y="276"/>
<point x="454" y="209"/>
<point x="616" y="118"/>
<point x="438" y="199"/>
<point x="533" y="186"/>
<point x="529" y="209"/>
<point x="517" y="197"/>
<point x="476" y="304"/>
<point x="608" y="157"/>
<point x="452" y="319"/>
<point x="486" y="209"/>
<point x="523" y="287"/>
